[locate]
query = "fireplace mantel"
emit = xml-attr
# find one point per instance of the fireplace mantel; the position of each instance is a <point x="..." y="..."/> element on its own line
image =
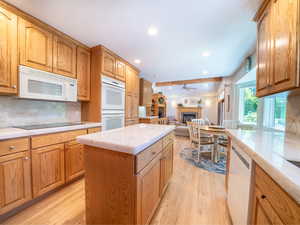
<point x="181" y="109"/>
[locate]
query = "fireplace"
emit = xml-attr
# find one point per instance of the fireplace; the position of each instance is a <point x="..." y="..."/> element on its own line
<point x="188" y="116"/>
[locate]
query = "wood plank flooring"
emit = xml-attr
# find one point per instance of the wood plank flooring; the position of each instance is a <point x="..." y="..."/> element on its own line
<point x="194" y="197"/>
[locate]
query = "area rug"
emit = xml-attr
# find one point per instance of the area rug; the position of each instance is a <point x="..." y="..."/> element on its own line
<point x="204" y="161"/>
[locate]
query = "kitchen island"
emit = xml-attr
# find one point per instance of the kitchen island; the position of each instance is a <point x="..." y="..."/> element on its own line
<point x="127" y="171"/>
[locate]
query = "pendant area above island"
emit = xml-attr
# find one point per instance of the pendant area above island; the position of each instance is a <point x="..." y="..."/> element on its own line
<point x="127" y="171"/>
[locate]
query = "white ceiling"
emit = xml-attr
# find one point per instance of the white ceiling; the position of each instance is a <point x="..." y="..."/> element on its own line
<point x="186" y="29"/>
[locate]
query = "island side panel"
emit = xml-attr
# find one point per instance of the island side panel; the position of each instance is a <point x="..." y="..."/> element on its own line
<point x="110" y="186"/>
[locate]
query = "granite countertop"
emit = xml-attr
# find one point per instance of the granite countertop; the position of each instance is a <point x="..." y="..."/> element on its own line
<point x="9" y="133"/>
<point x="131" y="139"/>
<point x="271" y="150"/>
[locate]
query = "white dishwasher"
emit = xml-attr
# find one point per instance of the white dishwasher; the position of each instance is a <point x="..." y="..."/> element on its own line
<point x="239" y="183"/>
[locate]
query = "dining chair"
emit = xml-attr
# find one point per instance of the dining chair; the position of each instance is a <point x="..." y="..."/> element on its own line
<point x="201" y="142"/>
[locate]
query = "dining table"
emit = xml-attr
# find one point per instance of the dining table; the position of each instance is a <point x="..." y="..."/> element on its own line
<point x="216" y="132"/>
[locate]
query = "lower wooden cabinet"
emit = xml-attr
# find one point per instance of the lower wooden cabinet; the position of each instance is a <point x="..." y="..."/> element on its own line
<point x="271" y="204"/>
<point x="48" y="168"/>
<point x="166" y="167"/>
<point x="74" y="160"/>
<point x="132" y="183"/>
<point x="148" y="192"/>
<point x="15" y="180"/>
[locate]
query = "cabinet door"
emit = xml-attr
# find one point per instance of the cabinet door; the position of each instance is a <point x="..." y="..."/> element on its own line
<point x="74" y="160"/>
<point x="263" y="213"/>
<point x="35" y="46"/>
<point x="166" y="169"/>
<point x="48" y="168"/>
<point x="263" y="54"/>
<point x="64" y="57"/>
<point x="109" y="63"/>
<point x="129" y="80"/>
<point x="135" y="106"/>
<point x="128" y="106"/>
<point x="285" y="74"/>
<point x="148" y="192"/>
<point x="136" y="84"/>
<point x="8" y="52"/>
<point x="120" y="70"/>
<point x="83" y="74"/>
<point x="15" y="181"/>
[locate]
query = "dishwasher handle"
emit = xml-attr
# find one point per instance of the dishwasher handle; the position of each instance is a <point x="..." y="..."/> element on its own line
<point x="243" y="160"/>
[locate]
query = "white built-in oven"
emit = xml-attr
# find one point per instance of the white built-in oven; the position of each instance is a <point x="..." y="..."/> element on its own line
<point x="37" y="84"/>
<point x="112" y="119"/>
<point x="113" y="94"/>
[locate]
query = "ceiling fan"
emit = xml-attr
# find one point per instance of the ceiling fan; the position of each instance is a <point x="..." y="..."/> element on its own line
<point x="185" y="87"/>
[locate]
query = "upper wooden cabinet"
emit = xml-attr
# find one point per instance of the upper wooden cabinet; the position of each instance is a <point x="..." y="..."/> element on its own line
<point x="35" y="46"/>
<point x="120" y="70"/>
<point x="263" y="53"/>
<point x="64" y="57"/>
<point x="8" y="52"/>
<point x="109" y="63"/>
<point x="83" y="74"/>
<point x="277" y="47"/>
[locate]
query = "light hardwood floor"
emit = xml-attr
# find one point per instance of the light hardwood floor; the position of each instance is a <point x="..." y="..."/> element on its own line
<point x="194" y="197"/>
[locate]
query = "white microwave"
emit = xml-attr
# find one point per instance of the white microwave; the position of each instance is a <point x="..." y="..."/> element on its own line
<point x="37" y="84"/>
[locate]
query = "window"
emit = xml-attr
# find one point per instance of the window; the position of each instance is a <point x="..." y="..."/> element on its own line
<point x="248" y="104"/>
<point x="275" y="111"/>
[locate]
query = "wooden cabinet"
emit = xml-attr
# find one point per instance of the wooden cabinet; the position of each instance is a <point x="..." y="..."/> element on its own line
<point x="74" y="160"/>
<point x="64" y="57"/>
<point x="83" y="74"/>
<point x="109" y="63"/>
<point x="8" y="52"/>
<point x="15" y="180"/>
<point x="272" y="205"/>
<point x="35" y="46"/>
<point x="132" y="193"/>
<point x="146" y="92"/>
<point x="263" y="54"/>
<point x="277" y="47"/>
<point x="166" y="170"/>
<point x="48" y="168"/>
<point x="132" y="94"/>
<point x="148" y="192"/>
<point x="120" y="70"/>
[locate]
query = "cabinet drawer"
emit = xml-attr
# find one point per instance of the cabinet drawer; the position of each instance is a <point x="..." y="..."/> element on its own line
<point x="13" y="146"/>
<point x="94" y="130"/>
<point x="168" y="139"/>
<point x="51" y="139"/>
<point x="282" y="203"/>
<point x="143" y="158"/>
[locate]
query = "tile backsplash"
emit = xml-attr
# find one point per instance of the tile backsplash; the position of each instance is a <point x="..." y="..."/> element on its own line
<point x="16" y="112"/>
<point x="293" y="113"/>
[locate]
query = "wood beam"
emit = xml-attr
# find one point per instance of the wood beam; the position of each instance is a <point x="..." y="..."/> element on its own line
<point x="195" y="81"/>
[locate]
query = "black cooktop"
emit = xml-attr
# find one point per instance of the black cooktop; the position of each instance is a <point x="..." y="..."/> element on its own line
<point x="49" y="125"/>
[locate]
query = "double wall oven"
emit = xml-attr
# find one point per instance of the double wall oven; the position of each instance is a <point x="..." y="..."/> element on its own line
<point x="113" y="103"/>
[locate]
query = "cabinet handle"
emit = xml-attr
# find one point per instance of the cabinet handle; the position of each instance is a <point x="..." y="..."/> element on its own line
<point x="26" y="158"/>
<point x="12" y="148"/>
<point x="14" y="86"/>
<point x="153" y="153"/>
<point x="263" y="196"/>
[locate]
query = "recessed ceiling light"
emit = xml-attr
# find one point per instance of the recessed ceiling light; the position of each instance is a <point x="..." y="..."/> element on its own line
<point x="137" y="61"/>
<point x="206" y="53"/>
<point x="152" y="31"/>
<point x="205" y="72"/>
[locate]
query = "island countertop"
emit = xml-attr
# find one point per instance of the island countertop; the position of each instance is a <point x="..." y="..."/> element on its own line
<point x="272" y="151"/>
<point x="132" y="139"/>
